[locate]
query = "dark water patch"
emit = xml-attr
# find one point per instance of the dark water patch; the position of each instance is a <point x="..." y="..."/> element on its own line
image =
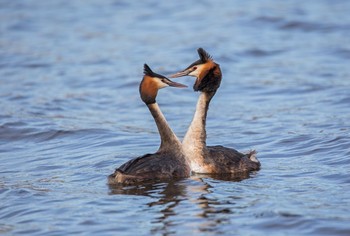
<point x="226" y="59"/>
<point x="343" y="53"/>
<point x="337" y="228"/>
<point x="226" y="177"/>
<point x="35" y="65"/>
<point x="340" y="178"/>
<point x="284" y="224"/>
<point x="5" y="116"/>
<point x="326" y="74"/>
<point x="98" y="62"/>
<point x="341" y="160"/>
<point x="166" y="188"/>
<point x="269" y="19"/>
<point x="299" y="25"/>
<point x="343" y="101"/>
<point x="41" y="168"/>
<point x="256" y="52"/>
<point x="305" y="26"/>
<point x="17" y="97"/>
<point x="10" y="132"/>
<point x="284" y="92"/>
<point x="16" y="61"/>
<point x="321" y="147"/>
<point x="269" y="214"/>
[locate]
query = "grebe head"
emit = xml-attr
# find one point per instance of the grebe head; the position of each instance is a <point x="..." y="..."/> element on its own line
<point x="152" y="82"/>
<point x="206" y="71"/>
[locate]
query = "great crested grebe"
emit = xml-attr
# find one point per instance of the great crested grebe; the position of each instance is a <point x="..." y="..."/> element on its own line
<point x="202" y="158"/>
<point x="169" y="161"/>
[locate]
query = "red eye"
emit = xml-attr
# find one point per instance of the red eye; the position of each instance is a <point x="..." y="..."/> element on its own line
<point x="195" y="68"/>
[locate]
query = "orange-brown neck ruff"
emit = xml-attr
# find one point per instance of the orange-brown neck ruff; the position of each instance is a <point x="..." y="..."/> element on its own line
<point x="209" y="78"/>
<point x="148" y="90"/>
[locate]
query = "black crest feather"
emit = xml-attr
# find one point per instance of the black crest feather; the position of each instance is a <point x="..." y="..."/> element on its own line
<point x="147" y="71"/>
<point x="203" y="58"/>
<point x="203" y="55"/>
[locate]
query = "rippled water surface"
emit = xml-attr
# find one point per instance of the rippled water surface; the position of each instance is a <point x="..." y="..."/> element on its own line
<point x="71" y="113"/>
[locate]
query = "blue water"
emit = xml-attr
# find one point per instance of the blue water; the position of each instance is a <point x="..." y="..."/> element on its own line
<point x="71" y="113"/>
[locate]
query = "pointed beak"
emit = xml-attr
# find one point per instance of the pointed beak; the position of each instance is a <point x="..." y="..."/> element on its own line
<point x="181" y="73"/>
<point x="174" y="84"/>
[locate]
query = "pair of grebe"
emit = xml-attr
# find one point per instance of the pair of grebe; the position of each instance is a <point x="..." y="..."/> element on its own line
<point x="173" y="158"/>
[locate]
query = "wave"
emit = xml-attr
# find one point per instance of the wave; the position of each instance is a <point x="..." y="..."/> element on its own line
<point x="305" y="26"/>
<point x="257" y="52"/>
<point x="11" y="132"/>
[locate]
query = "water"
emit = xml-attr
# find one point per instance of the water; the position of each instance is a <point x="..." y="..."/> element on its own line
<point x="71" y="113"/>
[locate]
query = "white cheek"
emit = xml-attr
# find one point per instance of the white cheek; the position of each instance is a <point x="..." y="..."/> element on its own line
<point x="194" y="73"/>
<point x="161" y="85"/>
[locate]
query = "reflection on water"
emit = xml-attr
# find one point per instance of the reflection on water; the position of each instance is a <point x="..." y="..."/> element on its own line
<point x="71" y="114"/>
<point x="167" y="196"/>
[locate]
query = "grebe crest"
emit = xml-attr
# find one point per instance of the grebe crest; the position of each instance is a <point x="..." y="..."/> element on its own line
<point x="207" y="73"/>
<point x="152" y="82"/>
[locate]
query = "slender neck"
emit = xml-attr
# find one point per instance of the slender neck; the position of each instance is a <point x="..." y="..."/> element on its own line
<point x="169" y="140"/>
<point x="196" y="134"/>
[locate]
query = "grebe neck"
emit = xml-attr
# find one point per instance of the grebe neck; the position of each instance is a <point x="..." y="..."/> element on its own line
<point x="196" y="134"/>
<point x="169" y="140"/>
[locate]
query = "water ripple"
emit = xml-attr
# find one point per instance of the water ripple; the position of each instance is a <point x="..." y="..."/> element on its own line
<point x="71" y="113"/>
<point x="305" y="26"/>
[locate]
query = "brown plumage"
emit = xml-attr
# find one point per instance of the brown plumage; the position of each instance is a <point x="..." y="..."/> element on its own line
<point x="169" y="161"/>
<point x="202" y="158"/>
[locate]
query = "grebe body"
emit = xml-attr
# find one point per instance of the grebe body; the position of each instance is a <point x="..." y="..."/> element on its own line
<point x="169" y="161"/>
<point x="202" y="158"/>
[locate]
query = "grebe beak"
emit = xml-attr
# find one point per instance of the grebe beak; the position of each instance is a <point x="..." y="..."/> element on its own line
<point x="174" y="84"/>
<point x="181" y="73"/>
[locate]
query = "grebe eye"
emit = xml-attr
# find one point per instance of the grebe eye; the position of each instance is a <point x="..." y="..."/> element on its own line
<point x="195" y="68"/>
